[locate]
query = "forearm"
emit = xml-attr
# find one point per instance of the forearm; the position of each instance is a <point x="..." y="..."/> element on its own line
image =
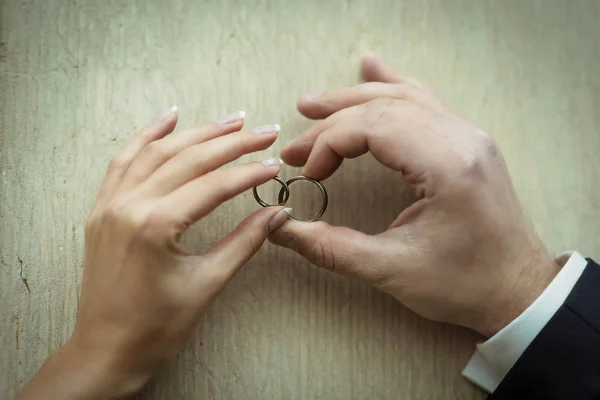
<point x="71" y="374"/>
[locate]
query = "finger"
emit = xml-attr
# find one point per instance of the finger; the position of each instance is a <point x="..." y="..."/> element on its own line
<point x="200" y="196"/>
<point x="332" y="146"/>
<point x="330" y="104"/>
<point x="297" y="151"/>
<point x="400" y="135"/>
<point x="335" y="248"/>
<point x="377" y="74"/>
<point x="157" y="153"/>
<point x="208" y="156"/>
<point x="225" y="258"/>
<point x="323" y="105"/>
<point x="375" y="70"/>
<point x="395" y="132"/>
<point x="121" y="163"/>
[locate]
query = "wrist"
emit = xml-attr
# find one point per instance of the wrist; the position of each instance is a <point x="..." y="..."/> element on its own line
<point x="522" y="289"/>
<point x="73" y="373"/>
<point x="108" y="375"/>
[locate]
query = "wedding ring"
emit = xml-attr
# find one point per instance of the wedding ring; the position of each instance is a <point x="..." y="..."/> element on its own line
<point x="319" y="185"/>
<point x="284" y="194"/>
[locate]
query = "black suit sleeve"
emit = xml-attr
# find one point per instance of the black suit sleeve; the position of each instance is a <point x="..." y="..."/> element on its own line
<point x="563" y="361"/>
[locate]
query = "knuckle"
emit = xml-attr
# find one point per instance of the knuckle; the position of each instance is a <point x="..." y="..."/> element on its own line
<point x="380" y="104"/>
<point x="221" y="189"/>
<point x="240" y="143"/>
<point x="487" y="145"/>
<point x="207" y="126"/>
<point x="195" y="157"/>
<point x="321" y="253"/>
<point x="414" y="82"/>
<point x="477" y="160"/>
<point x="147" y="132"/>
<point x="368" y="86"/>
<point x="245" y="145"/>
<point x="121" y="214"/>
<point x="117" y="162"/>
<point x="379" y="110"/>
<point x="471" y="169"/>
<point x="155" y="150"/>
<point x="472" y="165"/>
<point x="137" y="221"/>
<point x="92" y="223"/>
<point x="415" y="96"/>
<point x="404" y="91"/>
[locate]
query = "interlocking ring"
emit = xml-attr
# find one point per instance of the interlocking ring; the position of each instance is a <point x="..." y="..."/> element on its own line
<point x="284" y="195"/>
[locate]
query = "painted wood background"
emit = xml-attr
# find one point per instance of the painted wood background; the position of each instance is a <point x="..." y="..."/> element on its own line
<point x="79" y="77"/>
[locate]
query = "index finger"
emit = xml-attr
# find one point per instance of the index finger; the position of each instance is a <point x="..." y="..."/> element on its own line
<point x="401" y="135"/>
<point x="121" y="163"/>
<point x="325" y="104"/>
<point x="366" y="115"/>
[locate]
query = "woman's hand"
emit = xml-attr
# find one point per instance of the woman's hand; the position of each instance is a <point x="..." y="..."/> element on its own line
<point x="142" y="294"/>
<point x="464" y="253"/>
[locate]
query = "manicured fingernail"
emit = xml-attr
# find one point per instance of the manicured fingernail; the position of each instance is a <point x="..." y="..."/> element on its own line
<point x="313" y="95"/>
<point x="279" y="219"/>
<point x="271" y="128"/>
<point x="168" y="113"/>
<point x="273" y="162"/>
<point x="231" y="118"/>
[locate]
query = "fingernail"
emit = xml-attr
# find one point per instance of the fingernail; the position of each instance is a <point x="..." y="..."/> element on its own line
<point x="271" y="128"/>
<point x="279" y="219"/>
<point x="231" y="118"/>
<point x="313" y="95"/>
<point x="168" y="113"/>
<point x="273" y="162"/>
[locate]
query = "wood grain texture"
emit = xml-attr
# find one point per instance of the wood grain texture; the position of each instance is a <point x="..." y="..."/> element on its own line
<point x="78" y="78"/>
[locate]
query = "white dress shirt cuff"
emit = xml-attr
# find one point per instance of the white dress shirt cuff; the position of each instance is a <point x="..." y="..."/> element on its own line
<point x="495" y="357"/>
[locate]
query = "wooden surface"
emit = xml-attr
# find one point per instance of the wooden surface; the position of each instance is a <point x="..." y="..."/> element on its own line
<point x="78" y="78"/>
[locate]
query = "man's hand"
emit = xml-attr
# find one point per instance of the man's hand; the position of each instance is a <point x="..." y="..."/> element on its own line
<point x="142" y="294"/>
<point x="464" y="253"/>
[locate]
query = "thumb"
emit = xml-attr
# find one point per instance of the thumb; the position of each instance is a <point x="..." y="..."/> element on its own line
<point x="336" y="248"/>
<point x="226" y="256"/>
